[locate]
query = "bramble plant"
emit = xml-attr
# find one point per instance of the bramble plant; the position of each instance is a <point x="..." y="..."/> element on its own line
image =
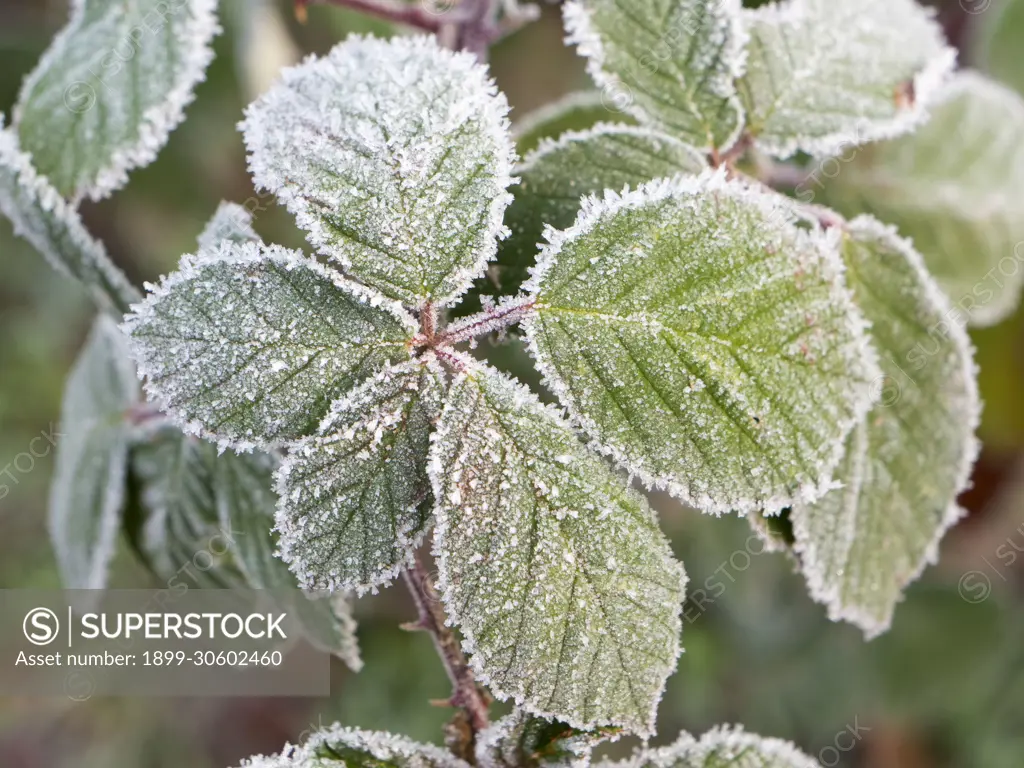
<point x="702" y="331"/>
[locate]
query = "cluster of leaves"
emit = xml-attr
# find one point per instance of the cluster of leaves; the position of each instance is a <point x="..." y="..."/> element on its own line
<point x="745" y="350"/>
<point x="522" y="741"/>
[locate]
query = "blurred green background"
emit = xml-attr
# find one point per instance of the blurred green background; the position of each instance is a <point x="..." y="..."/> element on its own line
<point x="944" y="688"/>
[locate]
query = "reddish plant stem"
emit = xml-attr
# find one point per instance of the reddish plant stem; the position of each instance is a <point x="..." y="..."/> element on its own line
<point x="465" y="692"/>
<point x="412" y="15"/>
<point x="492" y="320"/>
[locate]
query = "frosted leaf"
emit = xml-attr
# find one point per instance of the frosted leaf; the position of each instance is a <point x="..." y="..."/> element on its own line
<point x="394" y="156"/>
<point x="521" y="740"/>
<point x="230" y="222"/>
<point x="956" y="187"/>
<point x="721" y="747"/>
<point x="112" y="86"/>
<point x="704" y="341"/>
<point x="174" y="495"/>
<point x="338" y="747"/>
<point x="249" y="344"/>
<point x="559" y="173"/>
<point x="87" y="495"/>
<point x="670" y="62"/>
<point x="355" y="499"/>
<point x="42" y="217"/>
<point x="246" y="503"/>
<point x="574" y="112"/>
<point x="911" y="457"/>
<point x="827" y="74"/>
<point x="565" y="590"/>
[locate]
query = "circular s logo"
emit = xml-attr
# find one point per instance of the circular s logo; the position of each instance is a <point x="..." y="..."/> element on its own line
<point x="41" y="626"/>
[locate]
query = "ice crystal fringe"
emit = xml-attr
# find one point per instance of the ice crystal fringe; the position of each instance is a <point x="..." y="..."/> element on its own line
<point x="825" y="75"/>
<point x="816" y="385"/>
<point x="355" y="499"/>
<point x="912" y="455"/>
<point x="966" y="221"/>
<point x="357" y="749"/>
<point x="230" y="222"/>
<point x="394" y="156"/>
<point x="721" y="746"/>
<point x="248" y="344"/>
<point x="41" y="216"/>
<point x="565" y="590"/>
<point x="64" y="95"/>
<point x="677" y="71"/>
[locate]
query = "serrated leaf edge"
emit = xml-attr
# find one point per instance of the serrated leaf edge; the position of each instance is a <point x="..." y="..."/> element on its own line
<point x="549" y="145"/>
<point x="580" y="32"/>
<point x="861" y="353"/>
<point x="383" y="578"/>
<point x="157" y="122"/>
<point x="494" y="106"/>
<point x="435" y="470"/>
<point x="963" y="471"/>
<point x="238" y="256"/>
<point x="119" y="291"/>
<point x="928" y="84"/>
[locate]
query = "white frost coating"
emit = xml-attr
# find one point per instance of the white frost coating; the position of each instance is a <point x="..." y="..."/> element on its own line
<point x="230" y="222"/>
<point x="355" y="499"/>
<point x="108" y="68"/>
<point x="703" y="341"/>
<point x="912" y="455"/>
<point x="522" y="739"/>
<point x="88" y="489"/>
<point x="42" y="217"/>
<point x="545" y="121"/>
<point x="685" y="156"/>
<point x="555" y="571"/>
<point x="824" y="75"/>
<point x="722" y="747"/>
<point x="247" y="344"/>
<point x="956" y="188"/>
<point x="677" y="71"/>
<point x="394" y="156"/>
<point x="356" y="748"/>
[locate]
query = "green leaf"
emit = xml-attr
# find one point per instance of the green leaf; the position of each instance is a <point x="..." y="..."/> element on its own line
<point x="670" y="62"/>
<point x="337" y="747"/>
<point x="956" y="188"/>
<point x="574" y="112"/>
<point x="231" y="222"/>
<point x="174" y="524"/>
<point x="87" y="494"/>
<point x="704" y="341"/>
<point x="246" y="503"/>
<point x="721" y="747"/>
<point x="564" y="588"/>
<point x="355" y="499"/>
<point x="249" y="344"/>
<point x="111" y="88"/>
<point x="555" y="178"/>
<point x="54" y="228"/>
<point x="826" y="74"/>
<point x="394" y="156"/>
<point x="910" y="458"/>
<point x="998" y="46"/>
<point x="521" y="740"/>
